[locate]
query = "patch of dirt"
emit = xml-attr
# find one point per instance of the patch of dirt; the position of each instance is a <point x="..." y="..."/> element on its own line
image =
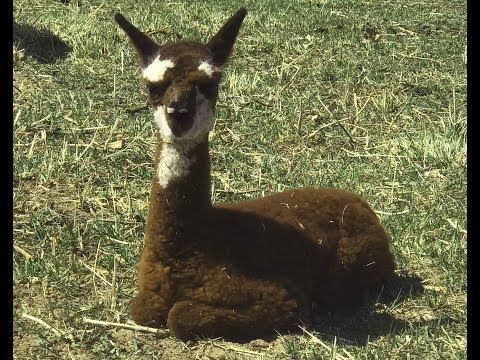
<point x="22" y="345"/>
<point x="56" y="196"/>
<point x="171" y="348"/>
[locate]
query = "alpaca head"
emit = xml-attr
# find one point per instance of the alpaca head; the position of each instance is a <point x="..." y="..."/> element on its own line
<point x="183" y="78"/>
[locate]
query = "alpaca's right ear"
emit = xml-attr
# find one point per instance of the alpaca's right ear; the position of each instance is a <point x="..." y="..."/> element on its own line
<point x="145" y="46"/>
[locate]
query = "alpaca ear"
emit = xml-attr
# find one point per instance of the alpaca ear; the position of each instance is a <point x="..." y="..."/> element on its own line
<point x="222" y="43"/>
<point x="145" y="46"/>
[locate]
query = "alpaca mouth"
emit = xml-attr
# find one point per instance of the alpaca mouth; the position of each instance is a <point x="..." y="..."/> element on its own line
<point x="179" y="124"/>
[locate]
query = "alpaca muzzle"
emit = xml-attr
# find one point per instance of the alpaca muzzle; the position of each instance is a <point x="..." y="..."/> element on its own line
<point x="180" y="114"/>
<point x="179" y="122"/>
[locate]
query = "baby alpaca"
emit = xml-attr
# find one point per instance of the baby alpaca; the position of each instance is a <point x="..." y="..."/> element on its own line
<point x="237" y="270"/>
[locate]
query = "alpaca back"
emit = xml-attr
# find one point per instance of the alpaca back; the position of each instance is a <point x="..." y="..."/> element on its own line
<point x="318" y="239"/>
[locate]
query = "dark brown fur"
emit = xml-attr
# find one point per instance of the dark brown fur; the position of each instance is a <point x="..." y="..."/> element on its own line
<point x="243" y="270"/>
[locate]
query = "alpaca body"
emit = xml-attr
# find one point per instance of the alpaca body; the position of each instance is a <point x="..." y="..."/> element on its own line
<point x="238" y="270"/>
<point x="247" y="268"/>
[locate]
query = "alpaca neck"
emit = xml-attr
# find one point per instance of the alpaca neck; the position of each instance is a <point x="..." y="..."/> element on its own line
<point x="180" y="194"/>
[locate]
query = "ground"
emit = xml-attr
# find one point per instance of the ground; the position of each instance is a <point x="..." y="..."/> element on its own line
<point x="367" y="96"/>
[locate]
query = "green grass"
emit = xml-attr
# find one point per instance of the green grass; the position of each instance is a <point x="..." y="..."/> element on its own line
<point x="366" y="96"/>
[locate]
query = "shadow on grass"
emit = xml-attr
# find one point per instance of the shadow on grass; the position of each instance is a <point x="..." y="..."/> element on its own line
<point x="357" y="328"/>
<point x="41" y="44"/>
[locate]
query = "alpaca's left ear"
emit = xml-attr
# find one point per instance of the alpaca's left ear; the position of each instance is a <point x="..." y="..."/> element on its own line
<point x="146" y="47"/>
<point x="222" y="43"/>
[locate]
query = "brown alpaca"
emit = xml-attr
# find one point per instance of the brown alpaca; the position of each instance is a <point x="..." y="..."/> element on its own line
<point x="237" y="270"/>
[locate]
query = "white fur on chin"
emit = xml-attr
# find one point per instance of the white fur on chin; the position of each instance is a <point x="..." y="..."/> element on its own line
<point x="174" y="163"/>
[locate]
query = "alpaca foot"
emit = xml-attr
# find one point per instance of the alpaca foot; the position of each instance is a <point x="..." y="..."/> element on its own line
<point x="187" y="319"/>
<point x="149" y="309"/>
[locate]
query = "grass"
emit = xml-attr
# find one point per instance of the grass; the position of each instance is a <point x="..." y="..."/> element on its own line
<point x="363" y="95"/>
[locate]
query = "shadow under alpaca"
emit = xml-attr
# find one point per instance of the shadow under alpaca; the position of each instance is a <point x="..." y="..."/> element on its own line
<point x="359" y="326"/>
<point x="367" y="323"/>
<point x="40" y="44"/>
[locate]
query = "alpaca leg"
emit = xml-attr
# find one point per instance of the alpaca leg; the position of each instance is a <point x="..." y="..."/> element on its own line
<point x="187" y="319"/>
<point x="149" y="309"/>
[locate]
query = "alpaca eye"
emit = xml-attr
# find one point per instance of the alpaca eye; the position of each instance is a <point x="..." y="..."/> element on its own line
<point x="210" y="91"/>
<point x="157" y="90"/>
<point x="207" y="87"/>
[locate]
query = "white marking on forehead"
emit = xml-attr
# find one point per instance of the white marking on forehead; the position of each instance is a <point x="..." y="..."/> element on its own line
<point x="173" y="164"/>
<point x="170" y="110"/>
<point x="208" y="68"/>
<point x="156" y="70"/>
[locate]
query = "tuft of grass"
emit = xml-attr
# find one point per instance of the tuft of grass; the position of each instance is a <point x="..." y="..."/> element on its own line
<point x="365" y="96"/>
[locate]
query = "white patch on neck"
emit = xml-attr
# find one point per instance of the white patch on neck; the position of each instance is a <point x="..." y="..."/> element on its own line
<point x="156" y="70"/>
<point x="208" y="68"/>
<point x="173" y="164"/>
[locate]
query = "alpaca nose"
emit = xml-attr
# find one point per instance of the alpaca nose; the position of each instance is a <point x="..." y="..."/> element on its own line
<point x="174" y="109"/>
<point x="179" y="118"/>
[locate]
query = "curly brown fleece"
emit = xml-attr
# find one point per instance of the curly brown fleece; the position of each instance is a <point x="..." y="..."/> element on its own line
<point x="243" y="270"/>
